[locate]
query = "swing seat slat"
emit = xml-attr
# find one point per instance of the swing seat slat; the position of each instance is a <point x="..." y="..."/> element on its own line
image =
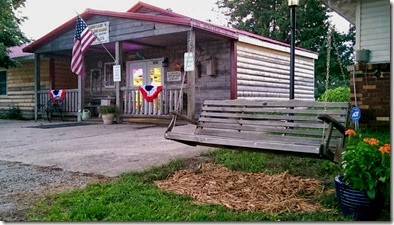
<point x="288" y="126"/>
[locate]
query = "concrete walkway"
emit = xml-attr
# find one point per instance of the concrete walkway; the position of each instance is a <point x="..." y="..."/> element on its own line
<point x="95" y="148"/>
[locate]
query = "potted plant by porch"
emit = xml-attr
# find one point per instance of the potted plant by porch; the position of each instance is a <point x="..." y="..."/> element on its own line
<point x="364" y="187"/>
<point x="108" y="113"/>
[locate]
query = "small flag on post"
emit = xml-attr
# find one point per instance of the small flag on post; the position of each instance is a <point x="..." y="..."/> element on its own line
<point x="83" y="38"/>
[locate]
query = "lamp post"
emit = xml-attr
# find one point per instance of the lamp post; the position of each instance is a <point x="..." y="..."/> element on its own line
<point x="292" y="4"/>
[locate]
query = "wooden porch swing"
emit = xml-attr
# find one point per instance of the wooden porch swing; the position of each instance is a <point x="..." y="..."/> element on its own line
<point x="299" y="127"/>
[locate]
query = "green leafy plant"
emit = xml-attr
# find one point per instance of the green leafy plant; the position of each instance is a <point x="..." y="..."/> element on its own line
<point x="13" y="113"/>
<point x="366" y="164"/>
<point x="339" y="94"/>
<point x="106" y="109"/>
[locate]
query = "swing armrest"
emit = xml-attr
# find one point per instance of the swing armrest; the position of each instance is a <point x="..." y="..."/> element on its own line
<point x="333" y="156"/>
<point x="334" y="122"/>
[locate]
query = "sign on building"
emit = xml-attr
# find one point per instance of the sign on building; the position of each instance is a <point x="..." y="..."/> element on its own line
<point x="173" y="76"/>
<point x="189" y="61"/>
<point x="117" y="73"/>
<point x="102" y="32"/>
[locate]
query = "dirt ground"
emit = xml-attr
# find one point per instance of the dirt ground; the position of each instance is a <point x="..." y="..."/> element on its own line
<point x="21" y="185"/>
<point x="37" y="159"/>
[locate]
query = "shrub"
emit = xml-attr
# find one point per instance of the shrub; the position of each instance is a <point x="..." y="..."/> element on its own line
<point x="13" y="113"/>
<point x="339" y="94"/>
<point x="106" y="109"/>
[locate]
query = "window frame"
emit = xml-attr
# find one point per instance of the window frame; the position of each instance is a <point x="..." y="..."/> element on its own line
<point x="108" y="81"/>
<point x="5" y="83"/>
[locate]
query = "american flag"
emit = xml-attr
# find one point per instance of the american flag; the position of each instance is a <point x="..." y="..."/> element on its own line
<point x="82" y="40"/>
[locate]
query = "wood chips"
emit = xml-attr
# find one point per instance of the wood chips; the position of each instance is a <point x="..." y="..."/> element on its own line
<point x="212" y="183"/>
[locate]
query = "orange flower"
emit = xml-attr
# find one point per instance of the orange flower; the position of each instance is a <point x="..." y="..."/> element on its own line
<point x="371" y="141"/>
<point x="385" y="149"/>
<point x="350" y="132"/>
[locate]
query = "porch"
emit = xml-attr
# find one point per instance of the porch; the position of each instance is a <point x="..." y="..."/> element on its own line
<point x="133" y="102"/>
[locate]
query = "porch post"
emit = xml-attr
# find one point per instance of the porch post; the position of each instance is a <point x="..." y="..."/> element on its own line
<point x="119" y="97"/>
<point x="37" y="80"/>
<point x="81" y="89"/>
<point x="191" y="78"/>
<point x="233" y="71"/>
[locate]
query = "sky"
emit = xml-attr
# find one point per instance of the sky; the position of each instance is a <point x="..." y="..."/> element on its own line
<point x="44" y="16"/>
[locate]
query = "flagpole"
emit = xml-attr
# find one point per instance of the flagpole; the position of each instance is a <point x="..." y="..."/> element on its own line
<point x="98" y="39"/>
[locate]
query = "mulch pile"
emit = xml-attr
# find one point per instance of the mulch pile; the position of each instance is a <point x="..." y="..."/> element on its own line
<point x="212" y="183"/>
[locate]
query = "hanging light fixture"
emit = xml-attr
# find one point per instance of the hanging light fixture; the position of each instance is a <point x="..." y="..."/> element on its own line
<point x="294" y="2"/>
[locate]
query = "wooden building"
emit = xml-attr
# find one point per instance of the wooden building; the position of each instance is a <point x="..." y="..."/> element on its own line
<point x="370" y="75"/>
<point x="149" y="43"/>
<point x="17" y="84"/>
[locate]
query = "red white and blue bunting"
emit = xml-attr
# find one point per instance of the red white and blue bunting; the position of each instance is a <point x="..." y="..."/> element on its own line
<point x="57" y="94"/>
<point x="150" y="92"/>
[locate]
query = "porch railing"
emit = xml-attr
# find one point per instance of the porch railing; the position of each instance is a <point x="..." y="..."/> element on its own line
<point x="135" y="104"/>
<point x="69" y="104"/>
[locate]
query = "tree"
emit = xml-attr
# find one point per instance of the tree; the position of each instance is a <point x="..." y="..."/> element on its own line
<point x="10" y="34"/>
<point x="271" y="18"/>
<point x="341" y="55"/>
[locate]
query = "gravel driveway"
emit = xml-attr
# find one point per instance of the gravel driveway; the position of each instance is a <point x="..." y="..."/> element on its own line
<point x="37" y="159"/>
<point x="22" y="184"/>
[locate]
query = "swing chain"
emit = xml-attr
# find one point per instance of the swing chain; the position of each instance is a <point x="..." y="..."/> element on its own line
<point x="328" y="60"/>
<point x="329" y="37"/>
<point x="338" y="58"/>
<point x="189" y="45"/>
<point x="179" y="103"/>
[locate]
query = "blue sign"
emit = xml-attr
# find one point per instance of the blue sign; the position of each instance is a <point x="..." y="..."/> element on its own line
<point x="355" y="114"/>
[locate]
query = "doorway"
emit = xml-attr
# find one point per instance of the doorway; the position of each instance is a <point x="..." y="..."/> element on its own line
<point x="144" y="72"/>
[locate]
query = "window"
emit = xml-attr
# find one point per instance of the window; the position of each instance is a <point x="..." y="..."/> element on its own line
<point x="3" y="82"/>
<point x="108" y="75"/>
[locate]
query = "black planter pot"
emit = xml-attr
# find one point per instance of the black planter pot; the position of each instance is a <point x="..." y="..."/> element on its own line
<point x="356" y="203"/>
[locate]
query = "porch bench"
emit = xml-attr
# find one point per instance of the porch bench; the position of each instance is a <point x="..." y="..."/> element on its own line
<point x="291" y="126"/>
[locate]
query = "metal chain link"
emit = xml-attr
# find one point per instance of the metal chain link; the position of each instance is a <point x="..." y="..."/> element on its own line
<point x="330" y="31"/>
<point x="338" y="58"/>
<point x="328" y="59"/>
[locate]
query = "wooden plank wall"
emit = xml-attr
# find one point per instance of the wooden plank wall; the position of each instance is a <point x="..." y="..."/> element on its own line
<point x="213" y="87"/>
<point x="64" y="78"/>
<point x="216" y="86"/>
<point x="20" y="86"/>
<point x="120" y="30"/>
<point x="264" y="74"/>
<point x="374" y="32"/>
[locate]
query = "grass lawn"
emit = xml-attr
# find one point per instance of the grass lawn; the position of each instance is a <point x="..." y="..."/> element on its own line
<point x="135" y="197"/>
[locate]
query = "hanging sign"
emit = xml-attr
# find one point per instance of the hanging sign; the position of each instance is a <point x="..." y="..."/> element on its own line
<point x="189" y="61"/>
<point x="355" y="114"/>
<point x="116" y="73"/>
<point x="102" y="32"/>
<point x="173" y="76"/>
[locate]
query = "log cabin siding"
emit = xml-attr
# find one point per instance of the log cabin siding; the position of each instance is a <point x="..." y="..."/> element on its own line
<point x="263" y="73"/>
<point x="20" y="83"/>
<point x="20" y="87"/>
<point x="373" y="31"/>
